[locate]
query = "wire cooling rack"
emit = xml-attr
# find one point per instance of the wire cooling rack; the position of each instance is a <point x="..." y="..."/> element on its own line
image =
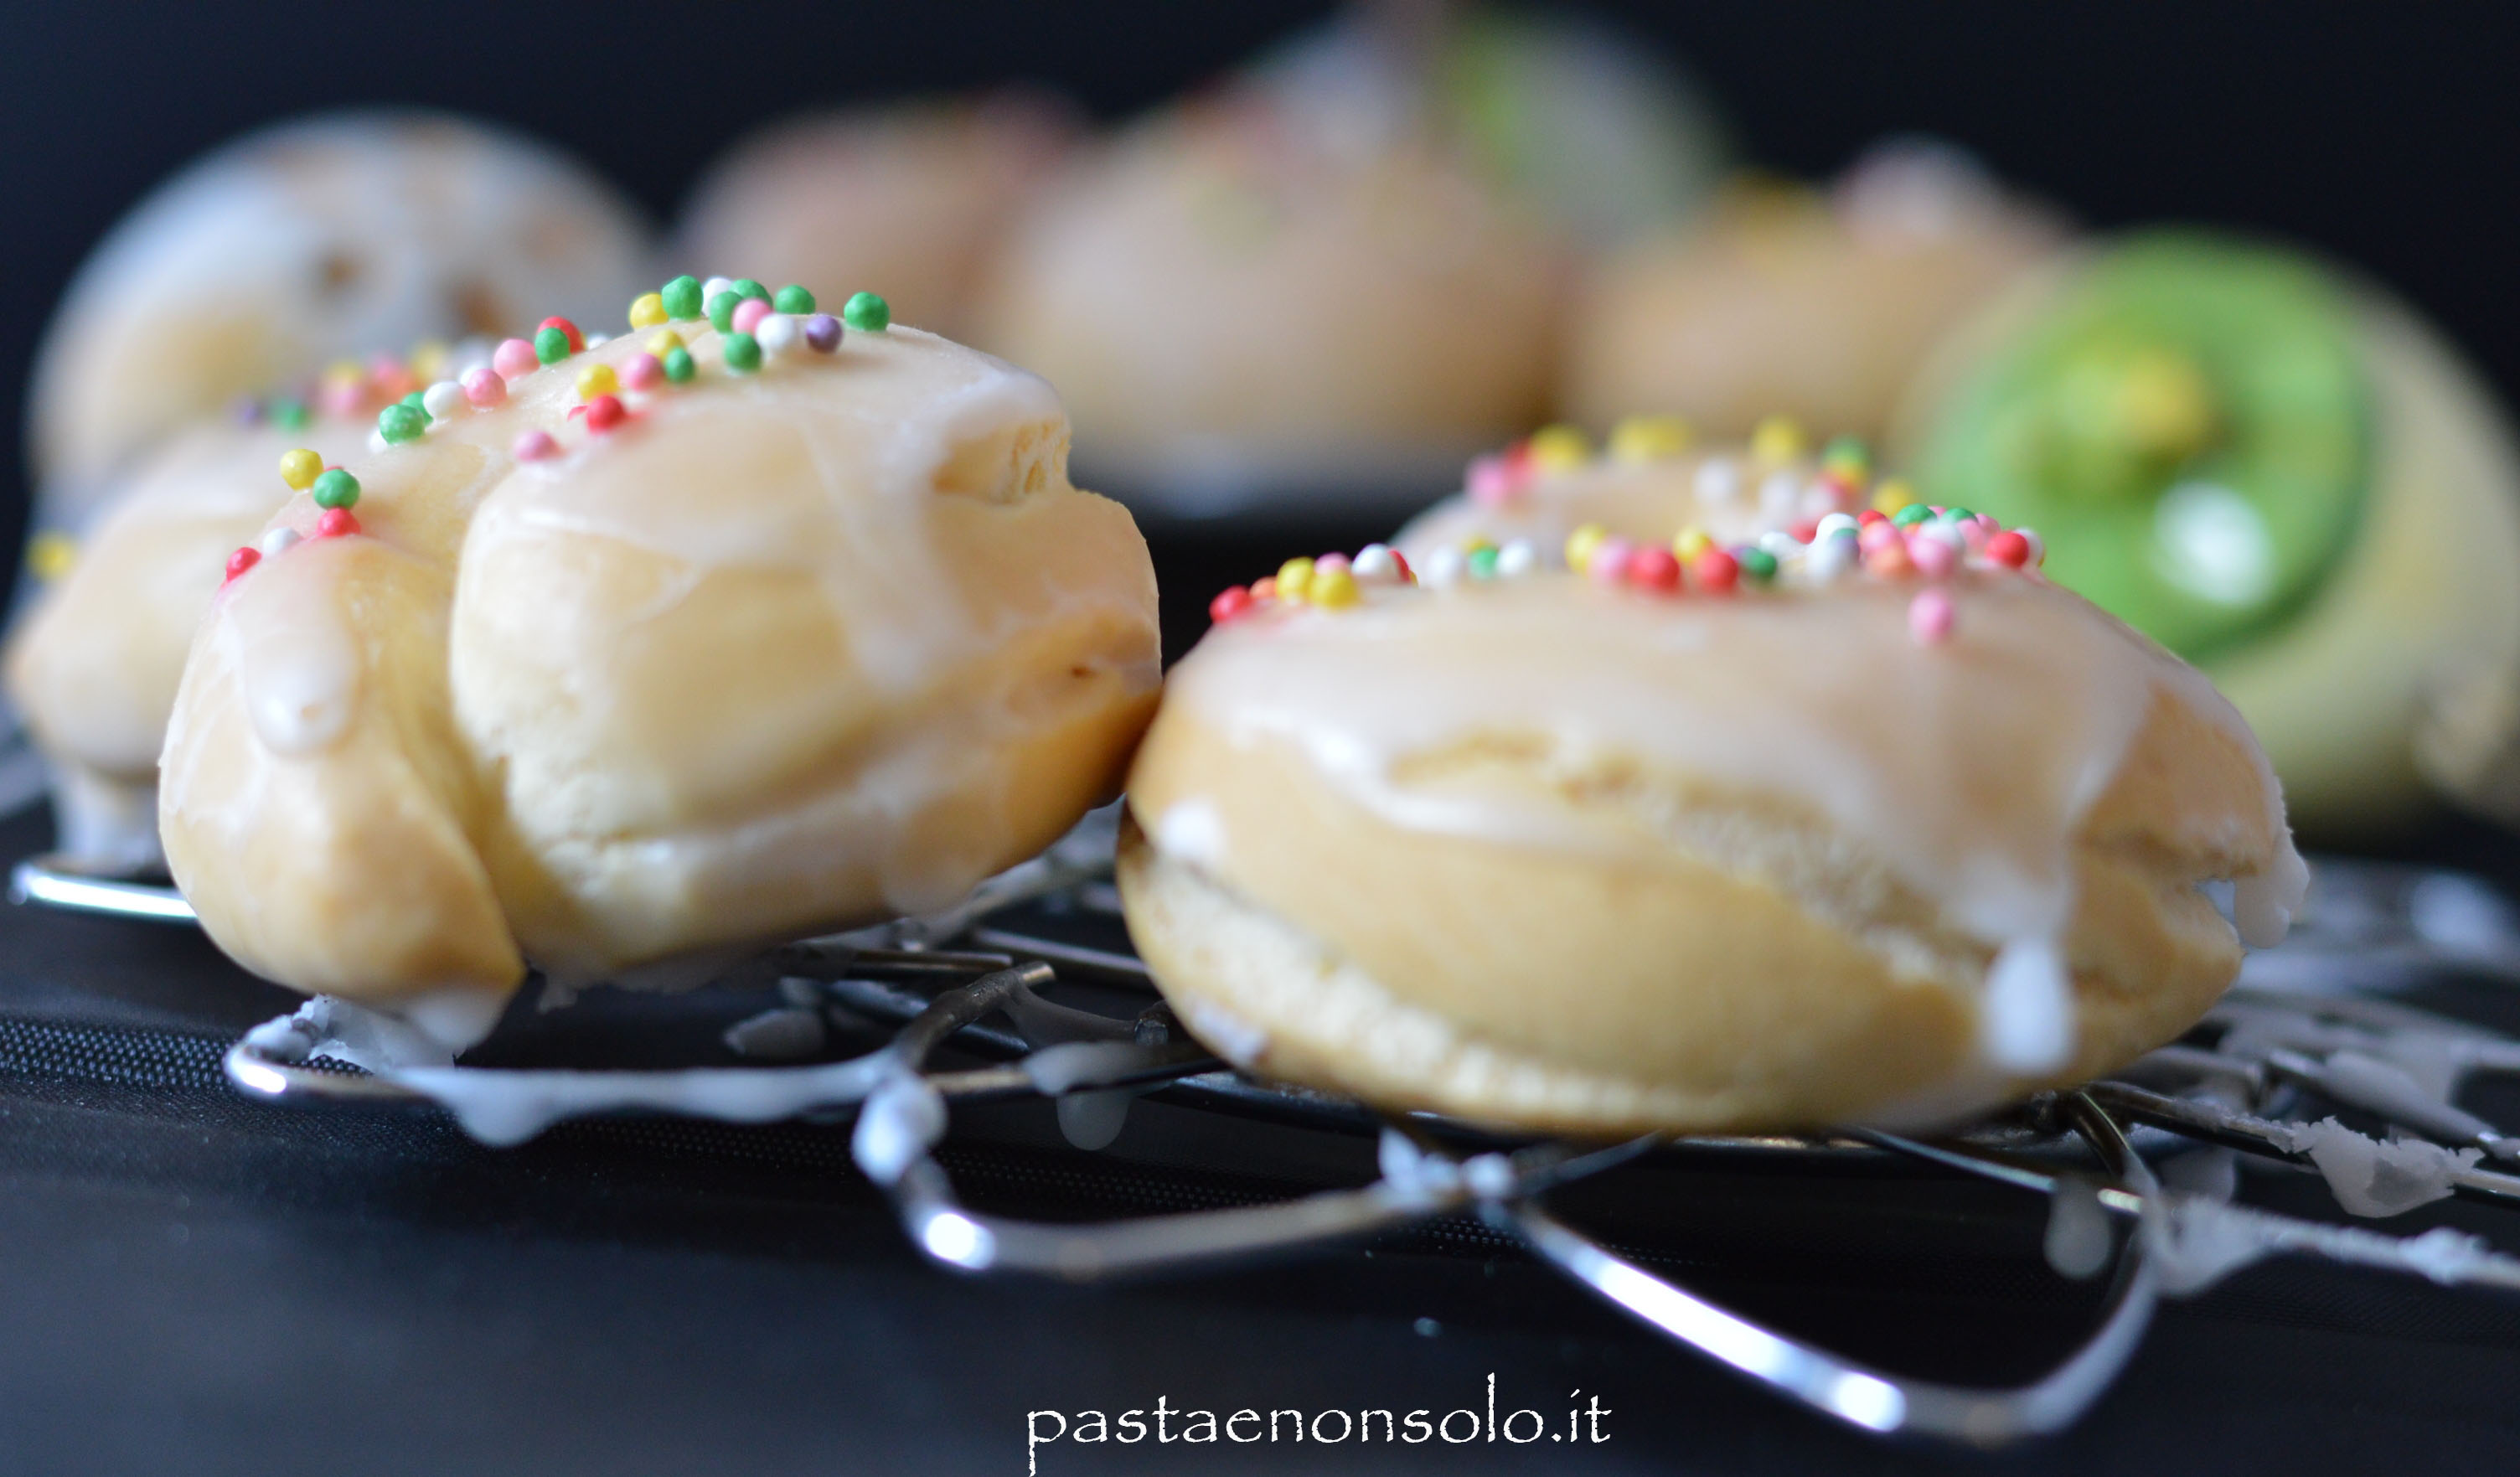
<point x="1030" y="1016"/>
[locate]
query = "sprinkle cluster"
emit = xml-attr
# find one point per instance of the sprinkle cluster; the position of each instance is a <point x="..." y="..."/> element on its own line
<point x="1836" y="524"/>
<point x="754" y="324"/>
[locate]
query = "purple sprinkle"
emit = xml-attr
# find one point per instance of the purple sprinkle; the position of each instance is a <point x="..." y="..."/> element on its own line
<point x="823" y="333"/>
<point x="246" y="410"/>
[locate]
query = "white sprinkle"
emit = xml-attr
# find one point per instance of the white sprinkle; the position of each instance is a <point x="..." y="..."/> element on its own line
<point x="714" y="286"/>
<point x="1442" y="567"/>
<point x="1831" y="555"/>
<point x="277" y="542"/>
<point x="777" y="333"/>
<point x="444" y="399"/>
<point x="1375" y="565"/>
<point x="1781" y="544"/>
<point x="1817" y="499"/>
<point x="1778" y="496"/>
<point x="1837" y="520"/>
<point x="1718" y="481"/>
<point x="1517" y="558"/>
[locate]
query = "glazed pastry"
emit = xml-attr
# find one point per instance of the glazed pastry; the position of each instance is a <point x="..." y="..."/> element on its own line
<point x="331" y="236"/>
<point x="1788" y="301"/>
<point x="93" y="667"/>
<point x="2282" y="474"/>
<point x="1880" y="827"/>
<point x="643" y="655"/>
<point x="912" y="196"/>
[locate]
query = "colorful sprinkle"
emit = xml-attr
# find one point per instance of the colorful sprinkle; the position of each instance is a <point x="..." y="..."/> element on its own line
<point x="301" y="468"/>
<point x="681" y="298"/>
<point x="443" y="399"/>
<point x="1609" y="561"/>
<point x="337" y="489"/>
<point x="1265" y="587"/>
<point x="742" y="352"/>
<point x="1778" y="439"/>
<point x="867" y="313"/>
<point x="1649" y="438"/>
<point x="51" y="555"/>
<point x="647" y="310"/>
<point x="643" y="371"/>
<point x="289" y="415"/>
<point x="1494" y="481"/>
<point x="603" y="412"/>
<point x="747" y="314"/>
<point x="1929" y="617"/>
<point x="399" y="423"/>
<point x="822" y="333"/>
<point x="534" y="446"/>
<point x="1893" y="496"/>
<point x="597" y="379"/>
<point x="679" y="366"/>
<point x="429" y="360"/>
<point x="1377" y="564"/>
<point x="1933" y="558"/>
<point x="1757" y="566"/>
<point x="278" y="541"/>
<point x="1481" y="563"/>
<point x="336" y="523"/>
<point x="721" y="311"/>
<point x="1227" y="604"/>
<point x="577" y="340"/>
<point x="1580" y="544"/>
<point x="1559" y="448"/>
<point x="1442" y="567"/>
<point x="514" y="358"/>
<point x="550" y="347"/>
<point x="242" y="561"/>
<point x="485" y="387"/>
<point x="1912" y="514"/>
<point x="793" y="299"/>
<point x="1517" y="558"/>
<point x="1654" y="568"/>
<point x="1691" y="543"/>
<point x="1715" y="572"/>
<point x="746" y="288"/>
<point x="777" y="333"/>
<point x="1332" y="589"/>
<point x="1293" y="576"/>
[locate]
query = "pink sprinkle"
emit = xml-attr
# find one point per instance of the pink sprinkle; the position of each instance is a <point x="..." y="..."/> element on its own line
<point x="749" y="314"/>
<point x="1492" y="481"/>
<point x="643" y="371"/>
<point x="483" y="388"/>
<point x="1929" y="617"/>
<point x="1879" y="536"/>
<point x="534" y="446"/>
<point x="345" y="398"/>
<point x="1329" y="562"/>
<point x="516" y="359"/>
<point x="1608" y="565"/>
<point x="1933" y="558"/>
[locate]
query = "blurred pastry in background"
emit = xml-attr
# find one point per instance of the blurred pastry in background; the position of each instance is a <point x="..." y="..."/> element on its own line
<point x="1326" y="281"/>
<point x="93" y="667"/>
<point x="2278" y="472"/>
<point x="1788" y="300"/>
<point x="331" y="236"/>
<point x="911" y="198"/>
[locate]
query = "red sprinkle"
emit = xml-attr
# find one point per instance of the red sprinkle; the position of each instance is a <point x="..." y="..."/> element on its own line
<point x="1229" y="604"/>
<point x="603" y="412"/>
<point x="1715" y="572"/>
<point x="2008" y="549"/>
<point x="1399" y="561"/>
<point x="1869" y="516"/>
<point x="336" y="523"/>
<point x="1805" y="531"/>
<point x="577" y="340"/>
<point x="1265" y="587"/>
<point x="1654" y="567"/>
<point x="242" y="559"/>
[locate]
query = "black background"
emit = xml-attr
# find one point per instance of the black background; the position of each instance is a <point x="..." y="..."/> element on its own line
<point x="2387" y="135"/>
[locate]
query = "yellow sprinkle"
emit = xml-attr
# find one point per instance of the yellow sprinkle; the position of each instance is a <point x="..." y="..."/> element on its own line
<point x="1778" y="440"/>
<point x="1649" y="438"/>
<point x="428" y="363"/>
<point x="597" y="379"/>
<point x="664" y="342"/>
<point x="1893" y="495"/>
<point x="1293" y="578"/>
<point x="1477" y="542"/>
<point x="1332" y="588"/>
<point x="50" y="555"/>
<point x="1581" y="542"/>
<point x="1691" y="543"/>
<point x="647" y="310"/>
<point x="1559" y="448"/>
<point x="300" y="468"/>
<point x="343" y="372"/>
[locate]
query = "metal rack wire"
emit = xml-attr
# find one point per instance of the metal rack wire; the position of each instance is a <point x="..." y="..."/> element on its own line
<point x="2296" y="1029"/>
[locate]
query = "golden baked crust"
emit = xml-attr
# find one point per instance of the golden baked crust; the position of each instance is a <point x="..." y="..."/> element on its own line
<point x="1518" y="927"/>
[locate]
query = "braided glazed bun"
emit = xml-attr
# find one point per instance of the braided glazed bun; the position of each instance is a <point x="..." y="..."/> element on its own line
<point x="669" y="648"/>
<point x="1746" y="841"/>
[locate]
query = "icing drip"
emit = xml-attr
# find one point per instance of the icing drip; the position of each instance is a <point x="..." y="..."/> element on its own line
<point x="2028" y="1024"/>
<point x="290" y="646"/>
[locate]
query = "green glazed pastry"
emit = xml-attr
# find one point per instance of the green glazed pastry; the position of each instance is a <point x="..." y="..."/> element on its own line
<point x="2281" y="475"/>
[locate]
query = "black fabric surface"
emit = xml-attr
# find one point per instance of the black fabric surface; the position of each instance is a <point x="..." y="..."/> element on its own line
<point x="194" y="1282"/>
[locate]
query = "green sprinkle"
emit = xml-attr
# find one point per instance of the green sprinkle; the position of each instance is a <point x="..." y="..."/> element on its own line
<point x="1844" y="450"/>
<point x="682" y="297"/>
<point x="1482" y="561"/>
<point x="742" y="353"/>
<point x="1758" y="564"/>
<point x="414" y="401"/>
<point x="793" y="299"/>
<point x="678" y="366"/>
<point x="551" y="346"/>
<point x="867" y="313"/>
<point x="746" y="287"/>
<point x="721" y="311"/>
<point x="288" y="415"/>
<point x="1957" y="515"/>
<point x="1912" y="514"/>
<point x="337" y="489"/>
<point x="398" y="424"/>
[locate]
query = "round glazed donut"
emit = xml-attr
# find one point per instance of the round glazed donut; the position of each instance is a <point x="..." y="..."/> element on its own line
<point x="1787" y="301"/>
<point x="2282" y="474"/>
<point x="914" y="196"/>
<point x="329" y="236"/>
<point x="659" y="652"/>
<point x="93" y="667"/>
<point x="1761" y="843"/>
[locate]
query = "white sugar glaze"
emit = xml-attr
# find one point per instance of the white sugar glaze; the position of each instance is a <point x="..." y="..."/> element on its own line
<point x="290" y="642"/>
<point x="1966" y="768"/>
